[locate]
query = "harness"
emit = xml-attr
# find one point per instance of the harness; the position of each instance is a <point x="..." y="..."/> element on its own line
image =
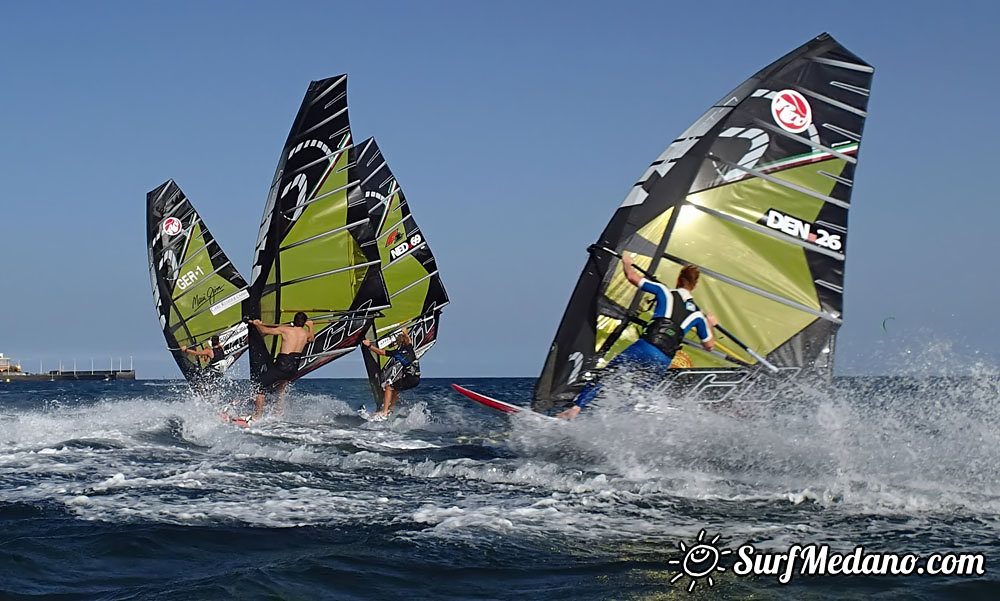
<point x="664" y="334"/>
<point x="410" y="368"/>
<point x="218" y="355"/>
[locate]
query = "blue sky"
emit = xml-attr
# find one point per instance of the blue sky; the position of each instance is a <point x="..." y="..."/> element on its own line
<point x="515" y="128"/>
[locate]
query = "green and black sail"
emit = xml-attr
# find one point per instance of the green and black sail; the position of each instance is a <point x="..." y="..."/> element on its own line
<point x="196" y="289"/>
<point x="316" y="250"/>
<point x="416" y="292"/>
<point x="756" y="194"/>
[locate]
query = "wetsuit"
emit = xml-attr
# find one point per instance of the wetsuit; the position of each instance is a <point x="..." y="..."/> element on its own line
<point x="218" y="356"/>
<point x="674" y="315"/>
<point x="409" y="376"/>
<point x="284" y="368"/>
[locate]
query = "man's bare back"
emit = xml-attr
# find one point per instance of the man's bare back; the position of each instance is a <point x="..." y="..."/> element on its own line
<point x="277" y="375"/>
<point x="293" y="338"/>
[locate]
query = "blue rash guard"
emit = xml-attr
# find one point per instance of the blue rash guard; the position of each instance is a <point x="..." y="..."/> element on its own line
<point x="673" y="304"/>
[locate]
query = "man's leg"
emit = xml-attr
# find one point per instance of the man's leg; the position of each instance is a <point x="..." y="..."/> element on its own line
<point x="386" y="402"/>
<point x="590" y="389"/>
<point x="392" y="399"/>
<point x="634" y="357"/>
<point x="258" y="406"/>
<point x="281" y="396"/>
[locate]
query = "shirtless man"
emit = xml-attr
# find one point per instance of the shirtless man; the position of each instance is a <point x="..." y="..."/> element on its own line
<point x="276" y="375"/>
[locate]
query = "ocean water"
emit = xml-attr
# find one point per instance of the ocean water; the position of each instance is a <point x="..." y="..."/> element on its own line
<point x="137" y="490"/>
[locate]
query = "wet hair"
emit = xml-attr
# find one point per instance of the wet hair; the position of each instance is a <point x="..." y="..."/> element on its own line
<point x="299" y="320"/>
<point x="688" y="277"/>
<point x="403" y="338"/>
<point x="215" y="341"/>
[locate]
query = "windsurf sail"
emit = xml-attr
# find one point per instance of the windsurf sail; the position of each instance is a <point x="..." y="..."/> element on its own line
<point x="197" y="290"/>
<point x="756" y="194"/>
<point x="316" y="250"/>
<point x="416" y="292"/>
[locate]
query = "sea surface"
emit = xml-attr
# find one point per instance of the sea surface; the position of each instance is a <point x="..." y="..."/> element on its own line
<point x="137" y="490"/>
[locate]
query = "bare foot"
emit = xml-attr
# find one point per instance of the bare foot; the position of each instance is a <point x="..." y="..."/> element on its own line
<point x="569" y="413"/>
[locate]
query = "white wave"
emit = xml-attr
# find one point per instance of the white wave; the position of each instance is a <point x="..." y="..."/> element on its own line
<point x="806" y="469"/>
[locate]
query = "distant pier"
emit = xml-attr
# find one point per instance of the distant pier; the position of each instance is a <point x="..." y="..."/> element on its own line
<point x="12" y="372"/>
<point x="55" y="375"/>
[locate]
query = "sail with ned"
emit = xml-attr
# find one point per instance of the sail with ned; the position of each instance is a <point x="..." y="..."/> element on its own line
<point x="416" y="292"/>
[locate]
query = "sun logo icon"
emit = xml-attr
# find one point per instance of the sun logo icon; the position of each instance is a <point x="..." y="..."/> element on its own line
<point x="699" y="561"/>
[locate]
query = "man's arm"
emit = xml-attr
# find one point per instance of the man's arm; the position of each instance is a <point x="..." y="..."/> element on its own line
<point x="199" y="353"/>
<point x="265" y="329"/>
<point x="374" y="349"/>
<point x="704" y="327"/>
<point x="309" y="328"/>
<point x="631" y="274"/>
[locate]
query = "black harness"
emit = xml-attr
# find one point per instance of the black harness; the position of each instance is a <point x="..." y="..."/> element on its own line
<point x="410" y="367"/>
<point x="218" y="355"/>
<point x="664" y="334"/>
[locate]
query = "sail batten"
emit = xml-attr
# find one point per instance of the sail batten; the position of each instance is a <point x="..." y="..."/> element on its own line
<point x="325" y="234"/>
<point x="334" y="154"/>
<point x="842" y="64"/>
<point x="780" y="182"/>
<point x="770" y="232"/>
<point x="751" y="288"/>
<point x="771" y="128"/>
<point x="832" y="102"/>
<point x="347" y="186"/>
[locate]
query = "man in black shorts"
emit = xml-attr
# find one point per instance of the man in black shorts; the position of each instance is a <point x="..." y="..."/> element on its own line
<point x="407" y="375"/>
<point x="276" y="376"/>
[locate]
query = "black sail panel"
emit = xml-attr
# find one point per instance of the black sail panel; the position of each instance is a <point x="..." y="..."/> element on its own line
<point x="316" y="251"/>
<point x="756" y="194"/>
<point x="197" y="291"/>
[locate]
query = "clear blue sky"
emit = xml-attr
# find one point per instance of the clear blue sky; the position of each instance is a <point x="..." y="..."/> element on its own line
<point x="516" y="128"/>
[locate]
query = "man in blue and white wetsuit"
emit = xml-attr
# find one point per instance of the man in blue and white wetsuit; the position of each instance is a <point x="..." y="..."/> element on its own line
<point x="674" y="314"/>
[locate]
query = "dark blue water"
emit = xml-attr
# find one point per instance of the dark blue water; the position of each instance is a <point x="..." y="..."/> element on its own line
<point x="136" y="490"/>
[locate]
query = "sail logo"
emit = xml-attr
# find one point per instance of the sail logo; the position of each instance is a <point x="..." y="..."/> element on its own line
<point x="172" y="226"/>
<point x="791" y="111"/>
<point x="808" y="232"/>
<point x="190" y="277"/>
<point x="576" y="360"/>
<point x="404" y="247"/>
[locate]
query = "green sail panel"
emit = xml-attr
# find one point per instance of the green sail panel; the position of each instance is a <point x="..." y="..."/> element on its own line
<point x="316" y="249"/>
<point x="197" y="291"/>
<point x="756" y="194"/>
<point x="415" y="289"/>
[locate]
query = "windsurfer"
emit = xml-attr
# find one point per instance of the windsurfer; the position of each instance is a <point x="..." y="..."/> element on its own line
<point x="674" y="314"/>
<point x="214" y="352"/>
<point x="209" y="377"/>
<point x="277" y="374"/>
<point x="404" y="377"/>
